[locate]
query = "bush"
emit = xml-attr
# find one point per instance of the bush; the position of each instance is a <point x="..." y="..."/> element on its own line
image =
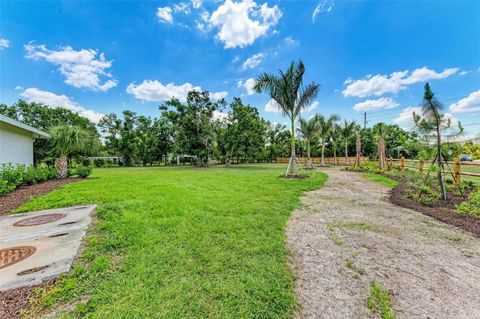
<point x="84" y="171"/>
<point x="470" y="207"/>
<point x="12" y="177"/>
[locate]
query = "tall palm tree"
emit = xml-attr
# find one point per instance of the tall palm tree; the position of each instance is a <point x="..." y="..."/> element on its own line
<point x="65" y="140"/>
<point x="433" y="122"/>
<point x="347" y="132"/>
<point x="326" y="125"/>
<point x="308" y="129"/>
<point x="289" y="94"/>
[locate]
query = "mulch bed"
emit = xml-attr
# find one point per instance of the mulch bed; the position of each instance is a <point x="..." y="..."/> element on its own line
<point x="441" y="210"/>
<point x="13" y="301"/>
<point x="22" y="194"/>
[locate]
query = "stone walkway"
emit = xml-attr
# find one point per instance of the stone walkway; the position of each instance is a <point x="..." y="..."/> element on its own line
<point x="348" y="234"/>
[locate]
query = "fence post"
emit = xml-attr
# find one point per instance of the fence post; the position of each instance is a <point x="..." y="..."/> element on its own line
<point x="420" y="166"/>
<point x="402" y="164"/>
<point x="457" y="173"/>
<point x="391" y="163"/>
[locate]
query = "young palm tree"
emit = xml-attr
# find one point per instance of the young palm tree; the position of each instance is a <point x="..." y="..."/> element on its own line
<point x="66" y="139"/>
<point x="326" y="125"/>
<point x="347" y="132"/>
<point x="358" y="149"/>
<point x="433" y="122"/>
<point x="287" y="91"/>
<point x="308" y="129"/>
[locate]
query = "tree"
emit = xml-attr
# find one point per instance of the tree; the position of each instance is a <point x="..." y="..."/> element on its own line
<point x="379" y="130"/>
<point x="287" y="91"/>
<point x="432" y="123"/>
<point x="66" y="139"/>
<point x="347" y="132"/>
<point x="278" y="141"/>
<point x="193" y="124"/>
<point x="309" y="130"/>
<point x="335" y="135"/>
<point x="325" y="126"/>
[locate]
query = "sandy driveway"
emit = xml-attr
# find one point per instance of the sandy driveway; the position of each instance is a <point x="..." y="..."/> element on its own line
<point x="431" y="269"/>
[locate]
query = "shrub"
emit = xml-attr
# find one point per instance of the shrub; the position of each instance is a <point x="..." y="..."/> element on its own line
<point x="470" y="207"/>
<point x="84" y="171"/>
<point x="12" y="177"/>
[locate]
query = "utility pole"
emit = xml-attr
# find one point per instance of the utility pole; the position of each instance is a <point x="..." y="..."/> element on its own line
<point x="364" y="120"/>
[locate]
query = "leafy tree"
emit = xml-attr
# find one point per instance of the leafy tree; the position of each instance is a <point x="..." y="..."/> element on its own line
<point x="325" y="126"/>
<point x="66" y="139"/>
<point x="193" y="124"/>
<point x="278" y="141"/>
<point x="335" y="137"/>
<point x="287" y="90"/>
<point x="347" y="132"/>
<point x="432" y="123"/>
<point x="309" y="130"/>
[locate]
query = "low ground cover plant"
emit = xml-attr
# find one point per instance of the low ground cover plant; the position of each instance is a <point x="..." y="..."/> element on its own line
<point x="471" y="207"/>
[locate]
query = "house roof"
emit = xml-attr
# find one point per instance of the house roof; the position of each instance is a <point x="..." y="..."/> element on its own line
<point x="36" y="132"/>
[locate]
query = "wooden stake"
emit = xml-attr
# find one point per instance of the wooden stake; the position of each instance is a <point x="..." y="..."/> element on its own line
<point x="457" y="173"/>
<point x="420" y="166"/>
<point x="402" y="164"/>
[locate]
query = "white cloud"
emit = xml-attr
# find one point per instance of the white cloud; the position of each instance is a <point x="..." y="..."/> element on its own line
<point x="240" y="23"/>
<point x="272" y="107"/>
<point x="312" y="107"/>
<point x="215" y="96"/>
<point x="253" y="61"/>
<point x="290" y="42"/>
<point x="81" y="68"/>
<point x="379" y="104"/>
<point x="182" y="7"/>
<point x="248" y="84"/>
<point x="4" y="43"/>
<point x="406" y="116"/>
<point x="155" y="91"/>
<point x="323" y="6"/>
<point x="220" y="116"/>
<point x="397" y="81"/>
<point x="196" y="4"/>
<point x="165" y="15"/>
<point x="471" y="103"/>
<point x="54" y="100"/>
<point x="462" y="73"/>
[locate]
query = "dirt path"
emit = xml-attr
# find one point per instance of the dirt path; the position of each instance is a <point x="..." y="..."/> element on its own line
<point x="431" y="269"/>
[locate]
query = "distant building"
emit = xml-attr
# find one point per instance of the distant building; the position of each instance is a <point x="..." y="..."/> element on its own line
<point x="16" y="141"/>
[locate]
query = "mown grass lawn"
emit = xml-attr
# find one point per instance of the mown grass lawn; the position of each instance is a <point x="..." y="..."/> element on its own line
<point x="381" y="179"/>
<point x="181" y="243"/>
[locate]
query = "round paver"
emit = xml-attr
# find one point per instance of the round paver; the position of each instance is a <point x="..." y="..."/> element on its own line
<point x="39" y="220"/>
<point x="12" y="255"/>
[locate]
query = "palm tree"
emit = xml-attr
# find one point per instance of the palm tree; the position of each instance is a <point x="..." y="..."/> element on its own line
<point x="309" y="131"/>
<point x="326" y="125"/>
<point x="434" y="122"/>
<point x="65" y="140"/>
<point x="287" y="91"/>
<point x="347" y="132"/>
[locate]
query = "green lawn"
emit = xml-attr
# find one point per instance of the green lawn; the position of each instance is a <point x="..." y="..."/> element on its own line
<point x="181" y="243"/>
<point x="380" y="179"/>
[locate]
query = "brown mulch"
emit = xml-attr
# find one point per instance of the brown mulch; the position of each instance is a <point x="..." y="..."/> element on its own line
<point x="22" y="194"/>
<point x="13" y="301"/>
<point x="441" y="210"/>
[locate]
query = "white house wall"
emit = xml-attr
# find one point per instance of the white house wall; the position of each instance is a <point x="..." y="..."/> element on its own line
<point x="16" y="145"/>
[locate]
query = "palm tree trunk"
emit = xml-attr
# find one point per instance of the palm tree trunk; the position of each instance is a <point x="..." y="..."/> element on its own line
<point x="335" y="156"/>
<point x="347" y="162"/>
<point x="358" y="149"/>
<point x="62" y="166"/>
<point x="323" y="156"/>
<point x="309" y="159"/>
<point x="291" y="169"/>
<point x="381" y="152"/>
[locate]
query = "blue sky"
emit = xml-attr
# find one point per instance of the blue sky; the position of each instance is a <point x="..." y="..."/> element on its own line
<point x="374" y="56"/>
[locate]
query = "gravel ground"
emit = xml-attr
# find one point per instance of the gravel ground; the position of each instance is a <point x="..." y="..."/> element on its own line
<point x="431" y="269"/>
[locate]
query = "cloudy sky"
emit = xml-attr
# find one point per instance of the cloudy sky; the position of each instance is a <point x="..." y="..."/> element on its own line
<point x="373" y="56"/>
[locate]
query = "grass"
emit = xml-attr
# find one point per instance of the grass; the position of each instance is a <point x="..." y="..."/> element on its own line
<point x="352" y="266"/>
<point x="180" y="243"/>
<point x="379" y="301"/>
<point x="337" y="241"/>
<point x="380" y="179"/>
